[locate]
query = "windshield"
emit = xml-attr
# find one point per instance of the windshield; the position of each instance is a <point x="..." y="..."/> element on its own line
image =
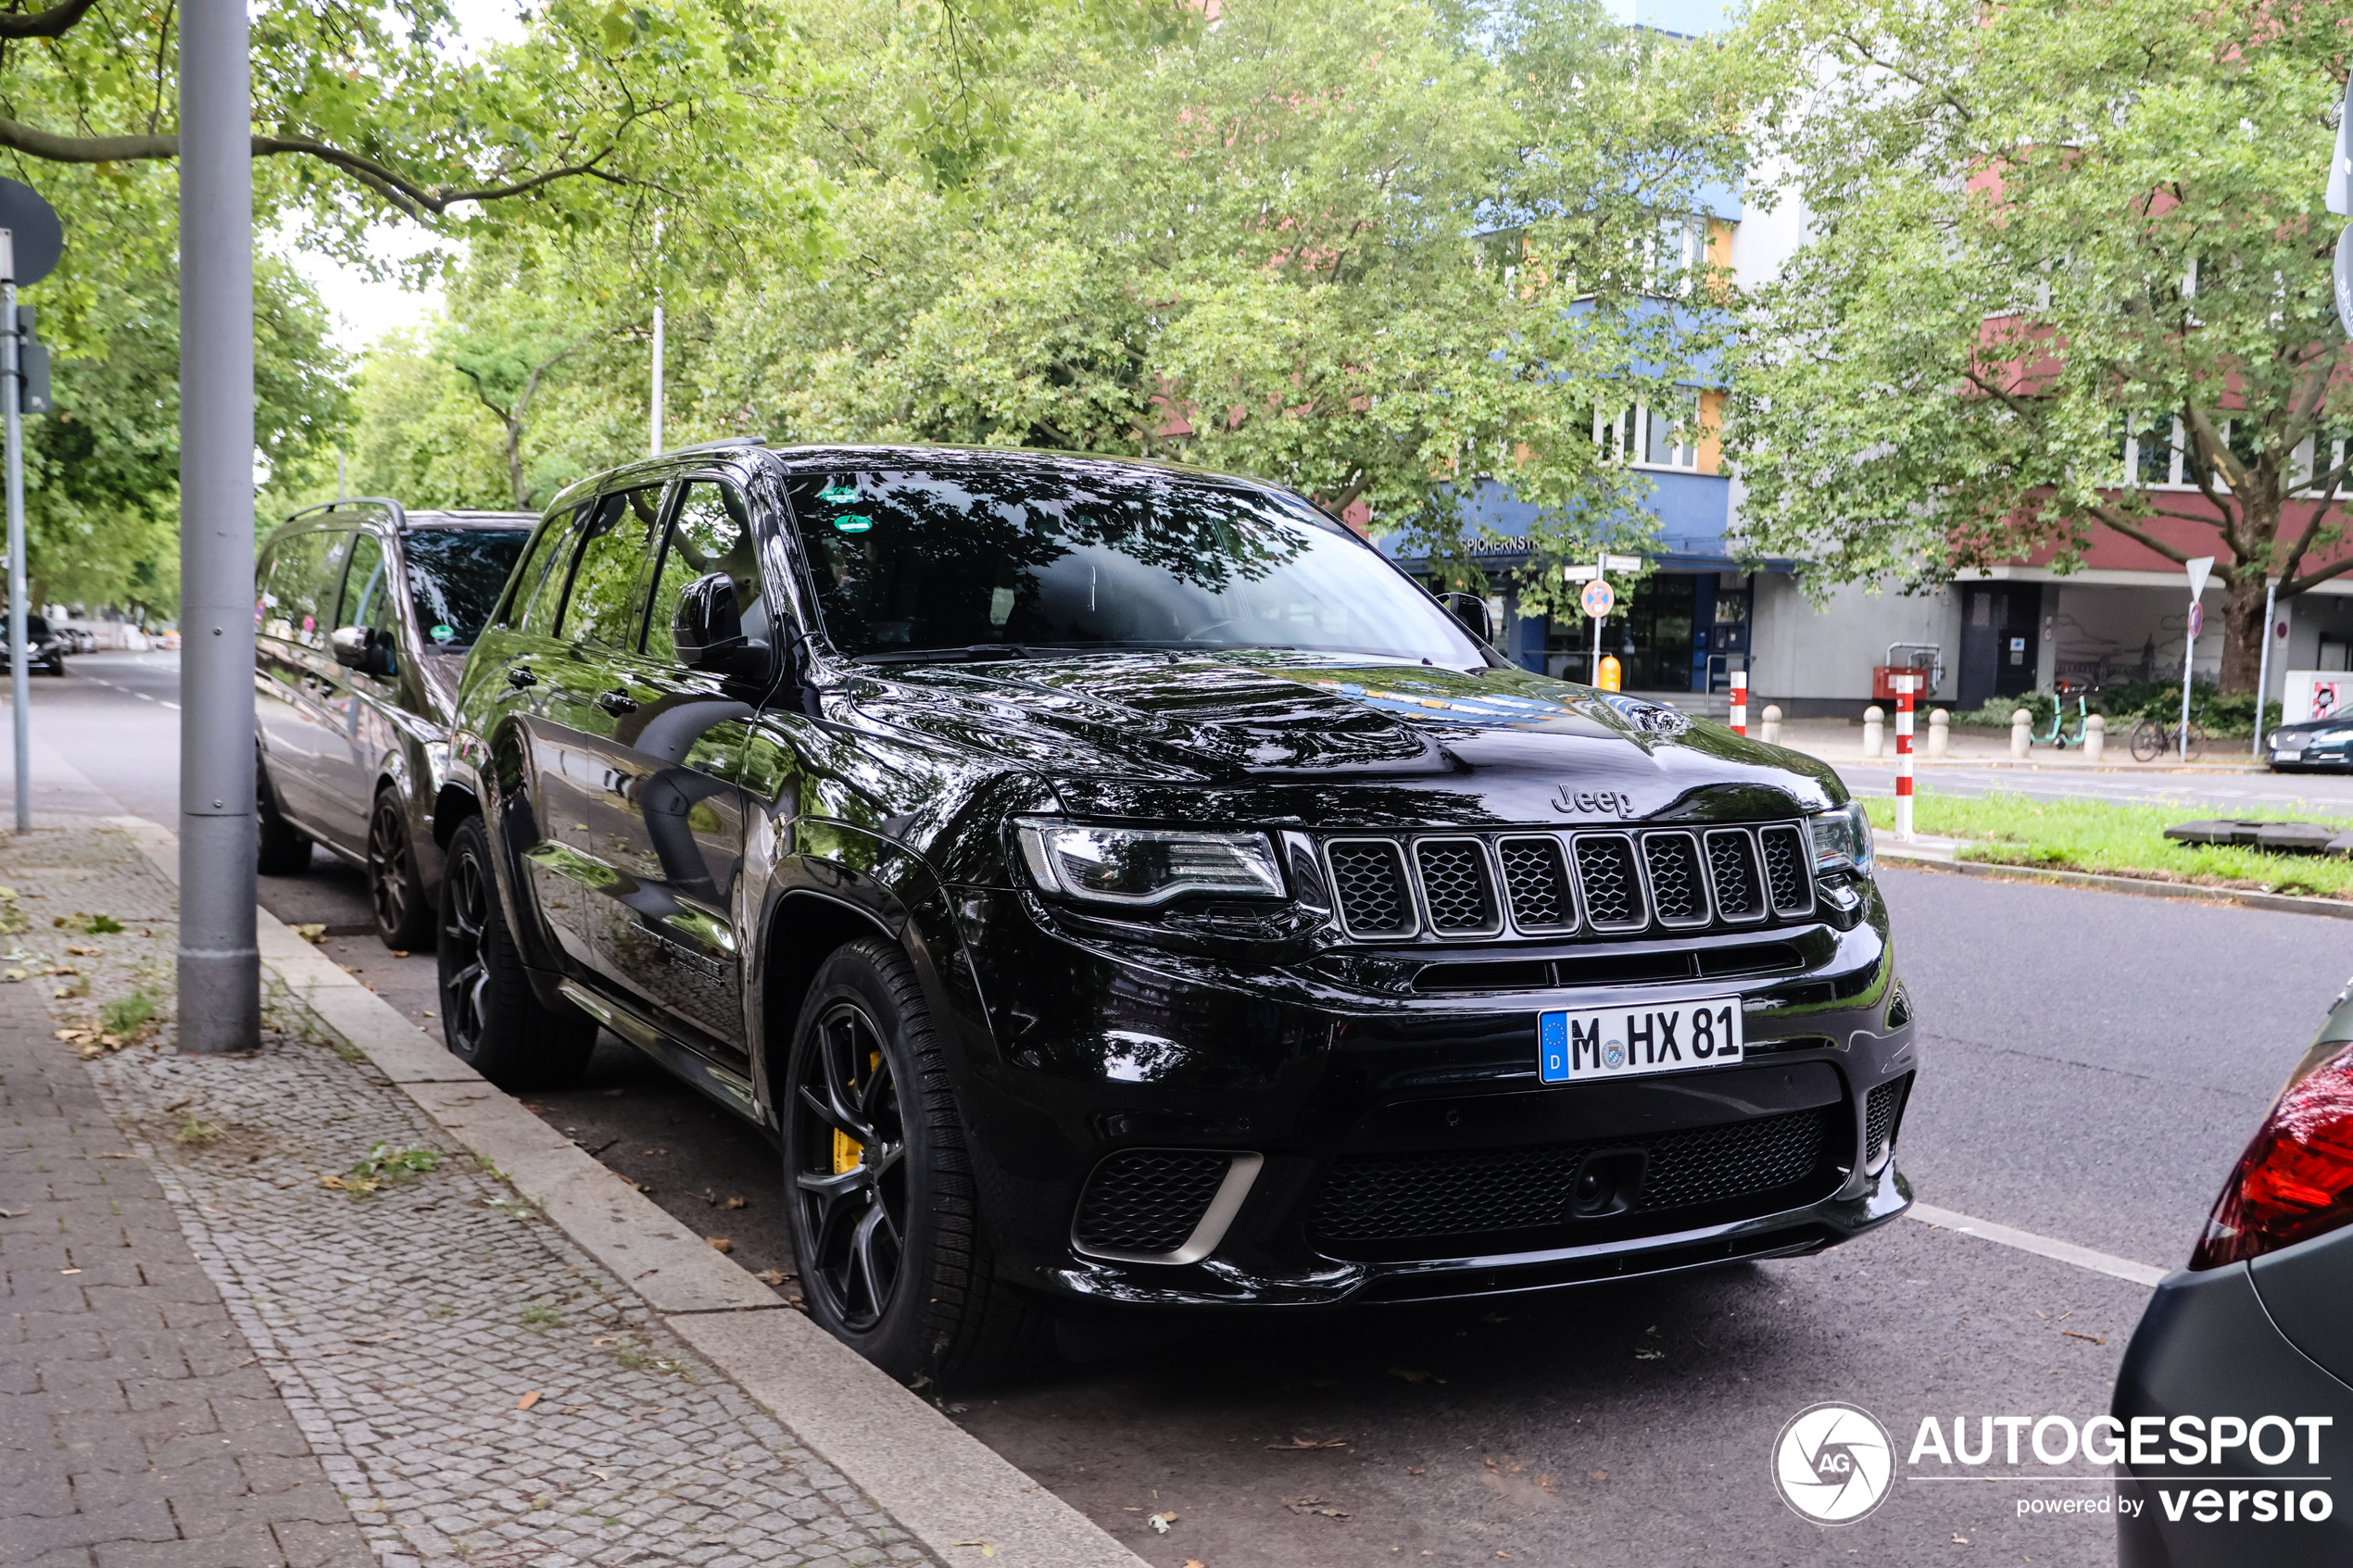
<point x="913" y="562"/>
<point x="454" y="575"/>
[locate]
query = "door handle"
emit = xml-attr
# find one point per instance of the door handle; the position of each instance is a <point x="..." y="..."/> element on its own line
<point x="616" y="702"/>
<point x="520" y="676"/>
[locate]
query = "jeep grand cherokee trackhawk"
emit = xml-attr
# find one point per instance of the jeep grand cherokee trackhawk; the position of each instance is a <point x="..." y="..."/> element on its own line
<point x="1111" y="883"/>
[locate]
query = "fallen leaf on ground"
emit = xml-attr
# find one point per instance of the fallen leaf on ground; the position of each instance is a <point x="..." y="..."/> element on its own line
<point x="985" y="1549"/>
<point x="772" y="1277"/>
<point x="114" y="1157"/>
<point x="313" y="932"/>
<point x="334" y="1182"/>
<point x="68" y="1271"/>
<point x="1161" y="1522"/>
<point x="1299" y="1445"/>
<point x="1598" y="1474"/>
<point x="1410" y="1375"/>
<point x="736" y="1203"/>
<point x="11" y="974"/>
<point x="400" y="952"/>
<point x="528" y="1401"/>
<point x="1960" y="1540"/>
<point x="608" y="1339"/>
<point x="2093" y="1337"/>
<point x="721" y="1243"/>
<point x="1313" y="1505"/>
<point x="1650" y="1355"/>
<point x="14" y="1213"/>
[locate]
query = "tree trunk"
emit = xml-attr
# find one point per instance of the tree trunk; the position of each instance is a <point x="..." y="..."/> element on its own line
<point x="515" y="482"/>
<point x="2244" y="629"/>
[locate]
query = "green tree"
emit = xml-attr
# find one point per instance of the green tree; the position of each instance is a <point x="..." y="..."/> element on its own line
<point x="1366" y="251"/>
<point x="2040" y="229"/>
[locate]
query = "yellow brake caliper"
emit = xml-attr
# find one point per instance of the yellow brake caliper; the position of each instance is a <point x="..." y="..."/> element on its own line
<point x="847" y="1150"/>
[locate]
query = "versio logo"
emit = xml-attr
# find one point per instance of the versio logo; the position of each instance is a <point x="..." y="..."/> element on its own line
<point x="1833" y="1463"/>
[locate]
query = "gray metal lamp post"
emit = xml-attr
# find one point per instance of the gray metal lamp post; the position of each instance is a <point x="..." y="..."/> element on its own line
<point x="220" y="966"/>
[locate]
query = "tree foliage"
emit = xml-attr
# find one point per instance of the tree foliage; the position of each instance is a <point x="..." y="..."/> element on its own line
<point x="2039" y="228"/>
<point x="1377" y="251"/>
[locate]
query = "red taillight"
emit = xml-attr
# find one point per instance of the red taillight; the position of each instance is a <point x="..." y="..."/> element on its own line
<point x="2296" y="1179"/>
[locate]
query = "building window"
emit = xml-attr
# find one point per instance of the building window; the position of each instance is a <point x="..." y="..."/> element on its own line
<point x="2153" y="450"/>
<point x="1663" y="435"/>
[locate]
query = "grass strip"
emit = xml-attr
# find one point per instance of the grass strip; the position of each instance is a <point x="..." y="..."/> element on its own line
<point x="2118" y="840"/>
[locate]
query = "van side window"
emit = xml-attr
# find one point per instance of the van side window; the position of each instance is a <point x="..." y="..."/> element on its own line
<point x="711" y="532"/>
<point x="366" y="598"/>
<point x="305" y="573"/>
<point x="607" y="581"/>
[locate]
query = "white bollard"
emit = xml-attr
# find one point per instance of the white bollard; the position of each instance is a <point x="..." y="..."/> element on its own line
<point x="2095" y="738"/>
<point x="1874" y="732"/>
<point x="2021" y="733"/>
<point x="1940" y="734"/>
<point x="1769" y="731"/>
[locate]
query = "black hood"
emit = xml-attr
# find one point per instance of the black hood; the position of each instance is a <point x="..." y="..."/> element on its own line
<point x="1256" y="736"/>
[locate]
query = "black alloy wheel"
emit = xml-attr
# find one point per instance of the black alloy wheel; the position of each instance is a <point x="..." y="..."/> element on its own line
<point x="854" y="1206"/>
<point x="893" y="1255"/>
<point x="394" y="890"/>
<point x="490" y="1018"/>
<point x="279" y="848"/>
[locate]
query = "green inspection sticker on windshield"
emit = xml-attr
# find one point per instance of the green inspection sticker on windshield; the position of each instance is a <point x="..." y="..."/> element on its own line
<point x="443" y="633"/>
<point x="851" y="522"/>
<point x="838" y="493"/>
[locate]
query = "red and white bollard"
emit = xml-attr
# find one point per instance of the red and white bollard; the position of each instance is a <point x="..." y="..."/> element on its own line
<point x="1904" y="686"/>
<point x="1740" y="702"/>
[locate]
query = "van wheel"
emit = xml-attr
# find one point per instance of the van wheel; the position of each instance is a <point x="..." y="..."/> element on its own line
<point x="886" y="1231"/>
<point x="281" y="849"/>
<point x="403" y="918"/>
<point x="490" y="1018"/>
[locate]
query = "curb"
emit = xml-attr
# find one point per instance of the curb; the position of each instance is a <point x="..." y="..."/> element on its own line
<point x="944" y="1486"/>
<point x="2279" y="903"/>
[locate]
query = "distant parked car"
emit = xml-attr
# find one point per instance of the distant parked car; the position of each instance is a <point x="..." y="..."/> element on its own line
<point x="364" y="612"/>
<point x="2319" y="743"/>
<point x="2249" y="1349"/>
<point x="48" y="647"/>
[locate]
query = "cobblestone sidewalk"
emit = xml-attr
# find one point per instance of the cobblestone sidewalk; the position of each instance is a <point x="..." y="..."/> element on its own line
<point x="476" y="1388"/>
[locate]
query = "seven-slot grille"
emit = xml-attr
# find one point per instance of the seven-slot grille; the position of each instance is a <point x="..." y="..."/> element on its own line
<point x="1606" y="884"/>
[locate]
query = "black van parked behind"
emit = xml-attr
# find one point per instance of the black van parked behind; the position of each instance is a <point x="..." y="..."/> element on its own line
<point x="363" y="615"/>
<point x="1114" y="885"/>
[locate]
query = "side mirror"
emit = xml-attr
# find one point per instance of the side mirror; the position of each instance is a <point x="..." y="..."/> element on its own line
<point x="708" y="631"/>
<point x="1470" y="612"/>
<point x="364" y="649"/>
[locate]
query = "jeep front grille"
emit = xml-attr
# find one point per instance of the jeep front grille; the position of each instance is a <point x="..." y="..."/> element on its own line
<point x="1607" y="883"/>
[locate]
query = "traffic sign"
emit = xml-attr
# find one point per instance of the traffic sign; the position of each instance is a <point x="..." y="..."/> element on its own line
<point x="2345" y="280"/>
<point x="2197" y="622"/>
<point x="1598" y="598"/>
<point x="1621" y="563"/>
<point x="1580" y="573"/>
<point x="2199" y="568"/>
<point x="35" y="234"/>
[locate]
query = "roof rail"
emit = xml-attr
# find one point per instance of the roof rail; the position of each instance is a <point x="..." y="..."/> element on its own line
<point x="720" y="446"/>
<point x="399" y="513"/>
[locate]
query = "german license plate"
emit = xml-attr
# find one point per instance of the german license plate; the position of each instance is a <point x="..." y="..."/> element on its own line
<point x="1632" y="1042"/>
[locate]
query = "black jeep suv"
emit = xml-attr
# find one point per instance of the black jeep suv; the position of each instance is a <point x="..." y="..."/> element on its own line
<point x="1115" y="884"/>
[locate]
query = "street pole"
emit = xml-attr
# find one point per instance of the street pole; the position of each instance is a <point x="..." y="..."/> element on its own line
<point x="219" y="1007"/>
<point x="19" y="644"/>
<point x="1599" y="569"/>
<point x="1905" y="686"/>
<point x="657" y="399"/>
<point x="2263" y="664"/>
<point x="2189" y="647"/>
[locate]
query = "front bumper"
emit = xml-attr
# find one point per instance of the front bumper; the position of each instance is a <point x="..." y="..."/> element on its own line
<point x="1307" y="1072"/>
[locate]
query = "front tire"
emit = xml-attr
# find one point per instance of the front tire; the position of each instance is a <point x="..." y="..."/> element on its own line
<point x="893" y="1257"/>
<point x="490" y="1018"/>
<point x="404" y="919"/>
<point x="2148" y="741"/>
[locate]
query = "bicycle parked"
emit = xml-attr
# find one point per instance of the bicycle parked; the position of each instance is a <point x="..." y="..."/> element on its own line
<point x="2153" y="738"/>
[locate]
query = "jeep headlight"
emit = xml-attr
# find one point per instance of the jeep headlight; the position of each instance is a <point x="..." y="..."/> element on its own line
<point x="1842" y="838"/>
<point x="1139" y="867"/>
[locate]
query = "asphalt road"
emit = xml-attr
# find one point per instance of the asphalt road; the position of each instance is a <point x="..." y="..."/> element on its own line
<point x="2093" y="1062"/>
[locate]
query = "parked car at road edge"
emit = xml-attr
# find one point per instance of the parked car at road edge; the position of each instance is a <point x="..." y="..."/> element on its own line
<point x="1114" y="886"/>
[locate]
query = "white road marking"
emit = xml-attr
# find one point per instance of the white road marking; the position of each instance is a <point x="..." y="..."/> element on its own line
<point x="173" y="706"/>
<point x="2040" y="1246"/>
